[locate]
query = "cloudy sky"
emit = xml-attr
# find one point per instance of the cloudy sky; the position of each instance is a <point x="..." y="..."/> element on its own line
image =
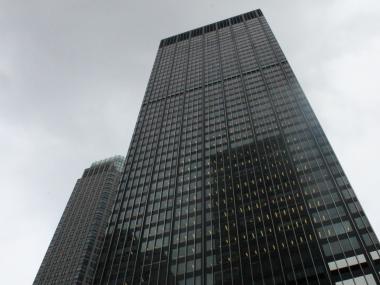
<point x="73" y="75"/>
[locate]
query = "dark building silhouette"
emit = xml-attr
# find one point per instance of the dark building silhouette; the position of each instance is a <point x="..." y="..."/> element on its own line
<point x="229" y="178"/>
<point x="74" y="250"/>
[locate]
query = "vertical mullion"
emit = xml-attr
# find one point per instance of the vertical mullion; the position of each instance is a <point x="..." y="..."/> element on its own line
<point x="277" y="119"/>
<point x="232" y="180"/>
<point x="149" y="184"/>
<point x="181" y="133"/>
<point x="136" y="136"/>
<point x="270" y="175"/>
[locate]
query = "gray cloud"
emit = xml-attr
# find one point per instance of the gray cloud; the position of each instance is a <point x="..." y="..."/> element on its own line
<point x="73" y="74"/>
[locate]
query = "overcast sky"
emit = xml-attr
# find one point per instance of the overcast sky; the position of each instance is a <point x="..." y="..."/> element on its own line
<point x="73" y="74"/>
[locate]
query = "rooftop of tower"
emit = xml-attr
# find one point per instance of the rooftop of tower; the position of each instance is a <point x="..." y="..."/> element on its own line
<point x="117" y="160"/>
<point x="211" y="27"/>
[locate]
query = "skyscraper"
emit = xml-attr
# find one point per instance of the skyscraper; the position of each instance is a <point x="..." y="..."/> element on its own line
<point x="229" y="178"/>
<point x="74" y="250"/>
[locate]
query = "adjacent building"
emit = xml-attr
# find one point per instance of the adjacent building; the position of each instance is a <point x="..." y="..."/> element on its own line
<point x="74" y="250"/>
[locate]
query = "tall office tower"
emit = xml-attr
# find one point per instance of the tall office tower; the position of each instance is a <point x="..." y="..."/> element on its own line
<point x="229" y="177"/>
<point x="74" y="250"/>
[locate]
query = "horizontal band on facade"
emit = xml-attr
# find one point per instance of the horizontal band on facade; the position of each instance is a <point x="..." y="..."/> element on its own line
<point x="216" y="82"/>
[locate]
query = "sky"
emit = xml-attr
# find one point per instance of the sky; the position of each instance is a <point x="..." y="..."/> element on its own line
<point x="73" y="74"/>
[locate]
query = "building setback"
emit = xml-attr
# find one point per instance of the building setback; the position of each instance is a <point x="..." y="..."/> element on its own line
<point x="229" y="178"/>
<point x="74" y="250"/>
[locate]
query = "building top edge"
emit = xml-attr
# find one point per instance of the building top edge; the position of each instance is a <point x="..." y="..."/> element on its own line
<point x="211" y="27"/>
<point x="116" y="158"/>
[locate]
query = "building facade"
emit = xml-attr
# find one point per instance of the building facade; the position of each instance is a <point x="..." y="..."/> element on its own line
<point x="74" y="250"/>
<point x="229" y="178"/>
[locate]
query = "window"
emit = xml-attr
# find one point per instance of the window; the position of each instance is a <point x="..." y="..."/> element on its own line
<point x="341" y="246"/>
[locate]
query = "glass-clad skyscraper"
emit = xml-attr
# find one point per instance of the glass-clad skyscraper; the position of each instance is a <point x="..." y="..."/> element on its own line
<point x="229" y="178"/>
<point x="74" y="250"/>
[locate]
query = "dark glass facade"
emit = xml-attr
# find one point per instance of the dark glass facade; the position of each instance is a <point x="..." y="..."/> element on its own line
<point x="229" y="178"/>
<point x="74" y="250"/>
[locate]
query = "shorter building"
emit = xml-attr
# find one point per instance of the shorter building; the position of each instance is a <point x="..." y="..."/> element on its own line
<point x="73" y="252"/>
